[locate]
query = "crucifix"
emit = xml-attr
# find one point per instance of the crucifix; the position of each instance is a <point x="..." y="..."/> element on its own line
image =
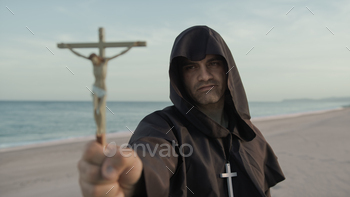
<point x="229" y="175"/>
<point x="99" y="63"/>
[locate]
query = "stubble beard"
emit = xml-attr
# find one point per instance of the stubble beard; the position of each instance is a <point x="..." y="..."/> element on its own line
<point x="207" y="98"/>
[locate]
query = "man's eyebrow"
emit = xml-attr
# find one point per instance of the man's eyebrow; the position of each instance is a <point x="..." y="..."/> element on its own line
<point x="188" y="62"/>
<point x="215" y="59"/>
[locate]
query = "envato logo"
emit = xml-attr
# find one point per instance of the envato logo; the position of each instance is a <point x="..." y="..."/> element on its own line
<point x="163" y="150"/>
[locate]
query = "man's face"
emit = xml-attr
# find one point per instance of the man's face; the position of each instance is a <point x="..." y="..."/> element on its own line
<point x="205" y="80"/>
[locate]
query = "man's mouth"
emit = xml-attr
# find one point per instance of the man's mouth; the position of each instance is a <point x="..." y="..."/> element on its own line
<point x="206" y="88"/>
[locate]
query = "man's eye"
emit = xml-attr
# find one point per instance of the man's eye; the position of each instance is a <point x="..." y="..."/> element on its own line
<point x="189" y="67"/>
<point x="216" y="63"/>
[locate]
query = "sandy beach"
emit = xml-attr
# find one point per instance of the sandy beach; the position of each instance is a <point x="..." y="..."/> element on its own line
<point x="312" y="149"/>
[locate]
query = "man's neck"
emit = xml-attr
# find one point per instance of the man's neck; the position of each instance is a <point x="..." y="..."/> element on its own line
<point x="215" y="111"/>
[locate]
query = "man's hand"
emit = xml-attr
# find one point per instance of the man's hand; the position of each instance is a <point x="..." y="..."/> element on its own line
<point x="108" y="176"/>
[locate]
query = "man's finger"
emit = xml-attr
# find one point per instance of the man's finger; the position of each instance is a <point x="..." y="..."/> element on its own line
<point x="113" y="166"/>
<point x="90" y="190"/>
<point x="93" y="153"/>
<point x="126" y="169"/>
<point x="91" y="173"/>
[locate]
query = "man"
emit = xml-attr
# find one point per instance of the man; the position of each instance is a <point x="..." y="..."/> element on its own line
<point x="210" y="113"/>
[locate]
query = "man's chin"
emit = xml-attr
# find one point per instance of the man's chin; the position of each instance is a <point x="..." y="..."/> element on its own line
<point x="207" y="101"/>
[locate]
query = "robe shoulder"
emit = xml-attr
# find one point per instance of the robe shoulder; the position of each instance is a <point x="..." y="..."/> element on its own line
<point x="260" y="155"/>
<point x="159" y="124"/>
<point x="154" y="132"/>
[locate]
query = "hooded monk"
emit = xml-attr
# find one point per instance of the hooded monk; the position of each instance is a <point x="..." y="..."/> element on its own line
<point x="215" y="148"/>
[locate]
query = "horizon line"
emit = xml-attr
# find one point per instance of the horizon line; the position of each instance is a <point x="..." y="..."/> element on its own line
<point x="168" y="101"/>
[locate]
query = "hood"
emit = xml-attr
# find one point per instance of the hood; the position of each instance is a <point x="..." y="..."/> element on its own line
<point x="195" y="43"/>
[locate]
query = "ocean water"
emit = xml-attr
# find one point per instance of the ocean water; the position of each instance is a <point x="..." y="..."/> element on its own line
<point x="30" y="122"/>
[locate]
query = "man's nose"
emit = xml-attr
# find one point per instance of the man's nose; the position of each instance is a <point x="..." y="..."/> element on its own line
<point x="204" y="74"/>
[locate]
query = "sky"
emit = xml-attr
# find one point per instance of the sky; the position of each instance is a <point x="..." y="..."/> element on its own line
<point x="283" y="49"/>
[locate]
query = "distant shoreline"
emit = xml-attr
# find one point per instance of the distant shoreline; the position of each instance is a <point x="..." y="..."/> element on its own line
<point x="128" y="134"/>
<point x="292" y="115"/>
<point x="83" y="101"/>
<point x="326" y="99"/>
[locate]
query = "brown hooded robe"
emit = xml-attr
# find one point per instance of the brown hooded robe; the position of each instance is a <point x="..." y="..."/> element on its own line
<point x="242" y="144"/>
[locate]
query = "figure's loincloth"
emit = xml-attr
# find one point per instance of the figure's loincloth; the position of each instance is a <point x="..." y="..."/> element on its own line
<point x="99" y="92"/>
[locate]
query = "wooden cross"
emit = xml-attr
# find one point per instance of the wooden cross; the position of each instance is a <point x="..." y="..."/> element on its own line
<point x="229" y="175"/>
<point x="100" y="70"/>
<point x="101" y="44"/>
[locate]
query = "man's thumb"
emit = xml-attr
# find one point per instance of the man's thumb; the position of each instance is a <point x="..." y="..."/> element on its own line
<point x="109" y="171"/>
<point x="116" y="163"/>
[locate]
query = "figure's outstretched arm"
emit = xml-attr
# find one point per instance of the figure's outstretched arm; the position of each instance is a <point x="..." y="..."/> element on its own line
<point x="126" y="50"/>
<point x="76" y="53"/>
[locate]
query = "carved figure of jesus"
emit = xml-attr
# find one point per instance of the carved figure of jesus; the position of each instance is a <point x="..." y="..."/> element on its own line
<point x="99" y="89"/>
